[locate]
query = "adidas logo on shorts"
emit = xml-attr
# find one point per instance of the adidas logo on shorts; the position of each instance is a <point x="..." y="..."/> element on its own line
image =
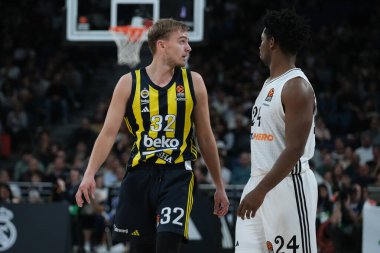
<point x="135" y="233"/>
<point x="146" y="109"/>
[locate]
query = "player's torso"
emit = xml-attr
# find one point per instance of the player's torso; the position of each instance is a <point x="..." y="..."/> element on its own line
<point x="160" y="119"/>
<point x="268" y="125"/>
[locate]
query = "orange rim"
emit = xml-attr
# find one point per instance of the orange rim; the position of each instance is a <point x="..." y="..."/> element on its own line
<point x="133" y="32"/>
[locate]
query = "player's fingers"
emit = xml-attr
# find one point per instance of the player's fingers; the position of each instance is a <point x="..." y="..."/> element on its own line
<point x="216" y="206"/>
<point x="85" y="194"/>
<point x="240" y="210"/>
<point x="78" y="198"/>
<point x="92" y="191"/>
<point x="221" y="209"/>
<point x="225" y="206"/>
<point x="252" y="214"/>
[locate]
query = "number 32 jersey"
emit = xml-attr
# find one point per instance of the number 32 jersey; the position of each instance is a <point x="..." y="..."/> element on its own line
<point x="160" y="119"/>
<point x="268" y="127"/>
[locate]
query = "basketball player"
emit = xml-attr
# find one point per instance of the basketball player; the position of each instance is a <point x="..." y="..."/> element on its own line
<point x="278" y="207"/>
<point x="159" y="104"/>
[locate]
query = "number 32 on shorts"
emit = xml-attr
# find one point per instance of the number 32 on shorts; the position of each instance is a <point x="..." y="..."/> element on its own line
<point x="171" y="215"/>
<point x="280" y="242"/>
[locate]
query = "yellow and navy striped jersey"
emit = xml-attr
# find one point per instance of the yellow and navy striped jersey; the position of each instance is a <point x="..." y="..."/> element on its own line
<point x="161" y="119"/>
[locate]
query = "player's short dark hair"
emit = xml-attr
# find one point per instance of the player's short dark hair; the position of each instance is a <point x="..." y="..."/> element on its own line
<point x="288" y="29"/>
<point x="162" y="29"/>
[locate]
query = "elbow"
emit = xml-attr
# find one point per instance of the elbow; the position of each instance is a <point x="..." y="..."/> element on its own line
<point x="296" y="151"/>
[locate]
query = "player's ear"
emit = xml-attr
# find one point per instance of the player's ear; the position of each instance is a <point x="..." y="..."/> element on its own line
<point x="271" y="42"/>
<point x="160" y="44"/>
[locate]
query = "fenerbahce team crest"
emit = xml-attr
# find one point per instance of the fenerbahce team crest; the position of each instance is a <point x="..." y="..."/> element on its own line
<point x="8" y="232"/>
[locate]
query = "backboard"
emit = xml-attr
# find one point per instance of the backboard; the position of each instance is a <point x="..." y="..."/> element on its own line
<point x="90" y="20"/>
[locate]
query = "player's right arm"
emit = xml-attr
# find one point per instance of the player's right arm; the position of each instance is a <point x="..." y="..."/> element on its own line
<point x="106" y="138"/>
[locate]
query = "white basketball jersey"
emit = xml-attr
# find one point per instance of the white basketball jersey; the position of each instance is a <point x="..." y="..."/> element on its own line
<point x="268" y="127"/>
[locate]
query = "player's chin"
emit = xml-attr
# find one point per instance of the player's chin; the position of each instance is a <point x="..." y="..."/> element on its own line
<point x="182" y="63"/>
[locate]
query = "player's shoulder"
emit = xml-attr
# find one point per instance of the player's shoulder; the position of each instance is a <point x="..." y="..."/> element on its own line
<point x="126" y="78"/>
<point x="297" y="88"/>
<point x="125" y="82"/>
<point x="197" y="78"/>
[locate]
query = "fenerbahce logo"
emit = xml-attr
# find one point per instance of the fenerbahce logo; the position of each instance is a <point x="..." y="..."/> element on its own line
<point x="8" y="232"/>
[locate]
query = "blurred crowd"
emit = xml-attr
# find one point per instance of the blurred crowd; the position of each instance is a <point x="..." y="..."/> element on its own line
<point x="42" y="83"/>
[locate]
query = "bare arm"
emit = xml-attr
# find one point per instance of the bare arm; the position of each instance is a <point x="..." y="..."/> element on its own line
<point x="207" y="143"/>
<point x="298" y="101"/>
<point x="106" y="138"/>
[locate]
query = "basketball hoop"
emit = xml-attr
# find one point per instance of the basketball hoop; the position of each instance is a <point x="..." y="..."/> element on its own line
<point x="129" y="40"/>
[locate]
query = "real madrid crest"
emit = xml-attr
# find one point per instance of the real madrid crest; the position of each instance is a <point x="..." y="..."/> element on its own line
<point x="8" y="232"/>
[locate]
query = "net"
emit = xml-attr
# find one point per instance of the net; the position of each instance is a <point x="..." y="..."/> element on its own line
<point x="129" y="40"/>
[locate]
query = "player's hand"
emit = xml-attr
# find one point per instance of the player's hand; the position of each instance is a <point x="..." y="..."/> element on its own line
<point x="221" y="203"/>
<point x="86" y="189"/>
<point x="249" y="205"/>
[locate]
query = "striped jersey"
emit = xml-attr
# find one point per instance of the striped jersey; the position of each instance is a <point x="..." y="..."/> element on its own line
<point x="160" y="119"/>
<point x="268" y="127"/>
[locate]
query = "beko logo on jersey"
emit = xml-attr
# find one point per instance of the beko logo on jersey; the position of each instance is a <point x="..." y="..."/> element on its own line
<point x="144" y="101"/>
<point x="162" y="142"/>
<point x="262" y="137"/>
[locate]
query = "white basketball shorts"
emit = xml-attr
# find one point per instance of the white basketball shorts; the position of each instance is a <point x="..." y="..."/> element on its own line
<point x="286" y="220"/>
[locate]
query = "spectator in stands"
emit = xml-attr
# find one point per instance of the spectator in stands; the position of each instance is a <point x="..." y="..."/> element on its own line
<point x="57" y="101"/>
<point x="345" y="225"/>
<point x="242" y="170"/>
<point x="44" y="147"/>
<point x="83" y="133"/>
<point x="376" y="183"/>
<point x="100" y="113"/>
<point x="322" y="133"/>
<point x="6" y="195"/>
<point x="111" y="164"/>
<point x="363" y="176"/>
<point x="339" y="148"/>
<point x="328" y="163"/>
<point x="34" y="166"/>
<point x="5" y="179"/>
<point x="200" y="172"/>
<point x="17" y="123"/>
<point x="365" y="151"/>
<point x="57" y="170"/>
<point x="324" y="206"/>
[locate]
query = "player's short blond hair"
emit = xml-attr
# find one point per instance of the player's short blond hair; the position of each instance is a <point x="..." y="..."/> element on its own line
<point x="162" y="29"/>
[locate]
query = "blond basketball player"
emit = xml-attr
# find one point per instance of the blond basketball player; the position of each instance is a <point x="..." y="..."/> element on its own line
<point x="160" y="104"/>
<point x="278" y="206"/>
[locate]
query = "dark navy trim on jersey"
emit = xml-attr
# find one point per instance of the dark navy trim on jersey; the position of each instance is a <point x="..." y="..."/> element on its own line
<point x="190" y="79"/>
<point x="301" y="207"/>
<point x="146" y="79"/>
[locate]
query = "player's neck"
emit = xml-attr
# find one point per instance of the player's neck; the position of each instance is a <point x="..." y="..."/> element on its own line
<point x="281" y="64"/>
<point x="159" y="73"/>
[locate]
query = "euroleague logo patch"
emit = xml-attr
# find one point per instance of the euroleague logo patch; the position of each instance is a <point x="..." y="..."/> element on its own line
<point x="180" y="93"/>
<point x="270" y="95"/>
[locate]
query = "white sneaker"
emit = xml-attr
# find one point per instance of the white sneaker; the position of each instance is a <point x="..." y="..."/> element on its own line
<point x="101" y="249"/>
<point x="87" y="247"/>
<point x="118" y="248"/>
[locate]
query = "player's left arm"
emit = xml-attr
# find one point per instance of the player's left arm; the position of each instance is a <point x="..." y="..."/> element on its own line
<point x="298" y="102"/>
<point x="207" y="143"/>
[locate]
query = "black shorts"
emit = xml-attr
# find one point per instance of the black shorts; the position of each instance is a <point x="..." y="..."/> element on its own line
<point x="154" y="199"/>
